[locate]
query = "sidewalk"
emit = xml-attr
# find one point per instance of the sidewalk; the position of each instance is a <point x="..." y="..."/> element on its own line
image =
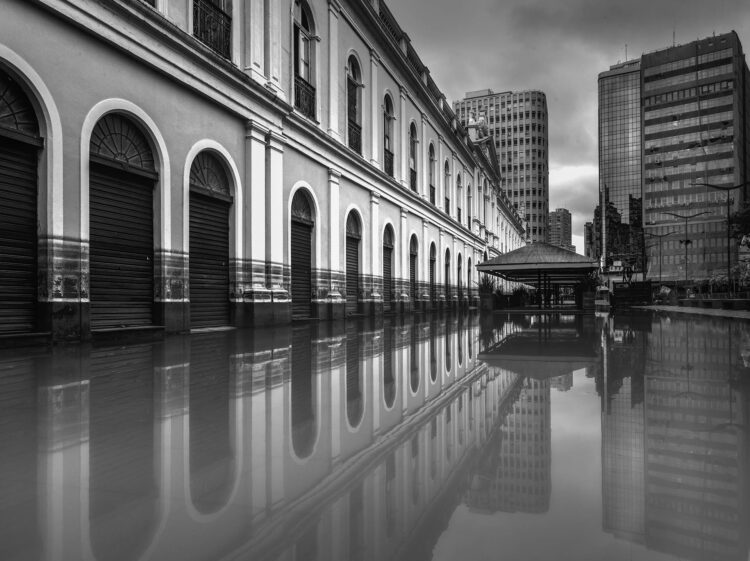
<point x="740" y="314"/>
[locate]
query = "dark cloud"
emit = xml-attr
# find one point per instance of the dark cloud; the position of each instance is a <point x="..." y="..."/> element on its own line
<point x="559" y="48"/>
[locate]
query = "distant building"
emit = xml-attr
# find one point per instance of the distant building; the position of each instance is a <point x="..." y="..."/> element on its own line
<point x="518" y="123"/>
<point x="560" y="233"/>
<point x="589" y="246"/>
<point x="667" y="121"/>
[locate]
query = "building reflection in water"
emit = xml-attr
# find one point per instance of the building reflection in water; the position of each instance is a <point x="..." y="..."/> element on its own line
<point x="330" y="441"/>
<point x="675" y="435"/>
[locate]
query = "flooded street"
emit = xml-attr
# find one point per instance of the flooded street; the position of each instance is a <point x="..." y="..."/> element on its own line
<point x="443" y="437"/>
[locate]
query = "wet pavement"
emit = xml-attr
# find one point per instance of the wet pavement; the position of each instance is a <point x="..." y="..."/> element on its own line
<point x="441" y="437"/>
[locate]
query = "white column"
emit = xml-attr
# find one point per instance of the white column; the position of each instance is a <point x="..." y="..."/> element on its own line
<point x="376" y="242"/>
<point x="254" y="59"/>
<point x="402" y="271"/>
<point x="375" y="120"/>
<point x="255" y="202"/>
<point x="404" y="139"/>
<point x="425" y="276"/>
<point x="440" y="175"/>
<point x="334" y="9"/>
<point x="334" y="189"/>
<point x="274" y="206"/>
<point x="273" y="47"/>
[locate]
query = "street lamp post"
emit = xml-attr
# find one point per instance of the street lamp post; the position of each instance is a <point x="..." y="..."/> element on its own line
<point x="729" y="230"/>
<point x="686" y="241"/>
<point x="660" y="236"/>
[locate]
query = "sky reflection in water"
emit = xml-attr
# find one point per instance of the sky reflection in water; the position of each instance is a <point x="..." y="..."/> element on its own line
<point x="523" y="437"/>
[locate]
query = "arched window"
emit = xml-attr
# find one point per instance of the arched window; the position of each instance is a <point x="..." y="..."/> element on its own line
<point x="468" y="206"/>
<point x="431" y="153"/>
<point x="304" y="71"/>
<point x="413" y="140"/>
<point x="459" y="198"/>
<point x="354" y="104"/>
<point x="388" y="119"/>
<point x="212" y="24"/>
<point x="447" y="187"/>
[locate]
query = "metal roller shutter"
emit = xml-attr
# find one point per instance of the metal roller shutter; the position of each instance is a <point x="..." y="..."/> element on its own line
<point x="209" y="261"/>
<point x="301" y="245"/>
<point x="18" y="239"/>
<point x="352" y="274"/>
<point x="121" y="248"/>
<point x="413" y="276"/>
<point x="387" y="278"/>
<point x="432" y="280"/>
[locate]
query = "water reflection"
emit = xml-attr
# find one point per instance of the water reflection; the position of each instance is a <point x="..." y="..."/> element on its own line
<point x="367" y="441"/>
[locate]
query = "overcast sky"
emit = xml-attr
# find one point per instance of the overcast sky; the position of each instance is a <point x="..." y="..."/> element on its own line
<point x="559" y="47"/>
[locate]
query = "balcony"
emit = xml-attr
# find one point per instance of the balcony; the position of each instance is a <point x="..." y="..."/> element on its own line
<point x="212" y="26"/>
<point x="388" y="161"/>
<point x="304" y="97"/>
<point x="355" y="137"/>
<point x="447" y="207"/>
<point x="458" y="215"/>
<point x="413" y="179"/>
<point x="432" y="194"/>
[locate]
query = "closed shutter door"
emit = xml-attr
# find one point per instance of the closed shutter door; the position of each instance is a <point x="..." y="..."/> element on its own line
<point x="352" y="274"/>
<point x="387" y="278"/>
<point x="301" y="240"/>
<point x="18" y="242"/>
<point x="413" y="276"/>
<point x="121" y="249"/>
<point x="432" y="280"/>
<point x="209" y="261"/>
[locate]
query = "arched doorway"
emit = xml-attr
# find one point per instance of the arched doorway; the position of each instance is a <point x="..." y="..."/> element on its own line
<point x="448" y="295"/>
<point x="353" y="238"/>
<point x="210" y="204"/>
<point x="20" y="143"/>
<point x="468" y="279"/>
<point x="433" y="292"/>
<point x="121" y="224"/>
<point x="388" y="269"/>
<point x="301" y="232"/>
<point x="458" y="279"/>
<point x="413" y="255"/>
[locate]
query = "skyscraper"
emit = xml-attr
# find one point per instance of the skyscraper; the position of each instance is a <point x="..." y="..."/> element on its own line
<point x="620" y="227"/>
<point x="560" y="233"/>
<point x="518" y="123"/>
<point x="667" y="121"/>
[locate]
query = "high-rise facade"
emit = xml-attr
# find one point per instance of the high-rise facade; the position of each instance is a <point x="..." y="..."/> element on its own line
<point x="669" y="121"/>
<point x="621" y="226"/>
<point x="560" y="233"/>
<point x="695" y="119"/>
<point x="518" y="123"/>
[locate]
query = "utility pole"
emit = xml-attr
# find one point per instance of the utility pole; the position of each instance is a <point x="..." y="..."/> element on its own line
<point x="686" y="241"/>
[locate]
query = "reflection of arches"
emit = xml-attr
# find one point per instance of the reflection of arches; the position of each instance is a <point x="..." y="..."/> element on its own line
<point x="303" y="401"/>
<point x="354" y="383"/>
<point x="20" y="143"/>
<point x="413" y="255"/>
<point x="212" y="456"/>
<point x="123" y="497"/>
<point x="353" y="240"/>
<point x="448" y="350"/>
<point x="301" y="237"/>
<point x="458" y="277"/>
<point x="433" y="351"/>
<point x="388" y="243"/>
<point x="415" y="471"/>
<point x="468" y="275"/>
<point x="210" y="206"/>
<point x="414" y="370"/>
<point x="122" y="176"/>
<point x="389" y="379"/>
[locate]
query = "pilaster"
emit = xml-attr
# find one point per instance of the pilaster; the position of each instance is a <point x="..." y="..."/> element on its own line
<point x="275" y="215"/>
<point x="404" y="139"/>
<point x="334" y="9"/>
<point x="375" y="122"/>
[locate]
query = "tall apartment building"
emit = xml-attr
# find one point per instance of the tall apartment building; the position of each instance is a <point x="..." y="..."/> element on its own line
<point x="668" y="121"/>
<point x="620" y="166"/>
<point x="560" y="232"/>
<point x="518" y="123"/>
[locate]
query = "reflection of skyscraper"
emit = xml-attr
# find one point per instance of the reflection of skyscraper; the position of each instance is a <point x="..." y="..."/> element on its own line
<point x="515" y="475"/>
<point x="674" y="448"/>
<point x="562" y="383"/>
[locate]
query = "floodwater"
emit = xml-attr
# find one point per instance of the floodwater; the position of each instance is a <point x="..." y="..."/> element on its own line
<point x="465" y="438"/>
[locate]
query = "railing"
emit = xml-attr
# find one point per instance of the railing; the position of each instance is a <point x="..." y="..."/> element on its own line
<point x="390" y="22"/>
<point x="413" y="179"/>
<point x="212" y="26"/>
<point x="388" y="161"/>
<point x="458" y="214"/>
<point x="355" y="137"/>
<point x="432" y="193"/>
<point x="304" y="97"/>
<point x="447" y="206"/>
